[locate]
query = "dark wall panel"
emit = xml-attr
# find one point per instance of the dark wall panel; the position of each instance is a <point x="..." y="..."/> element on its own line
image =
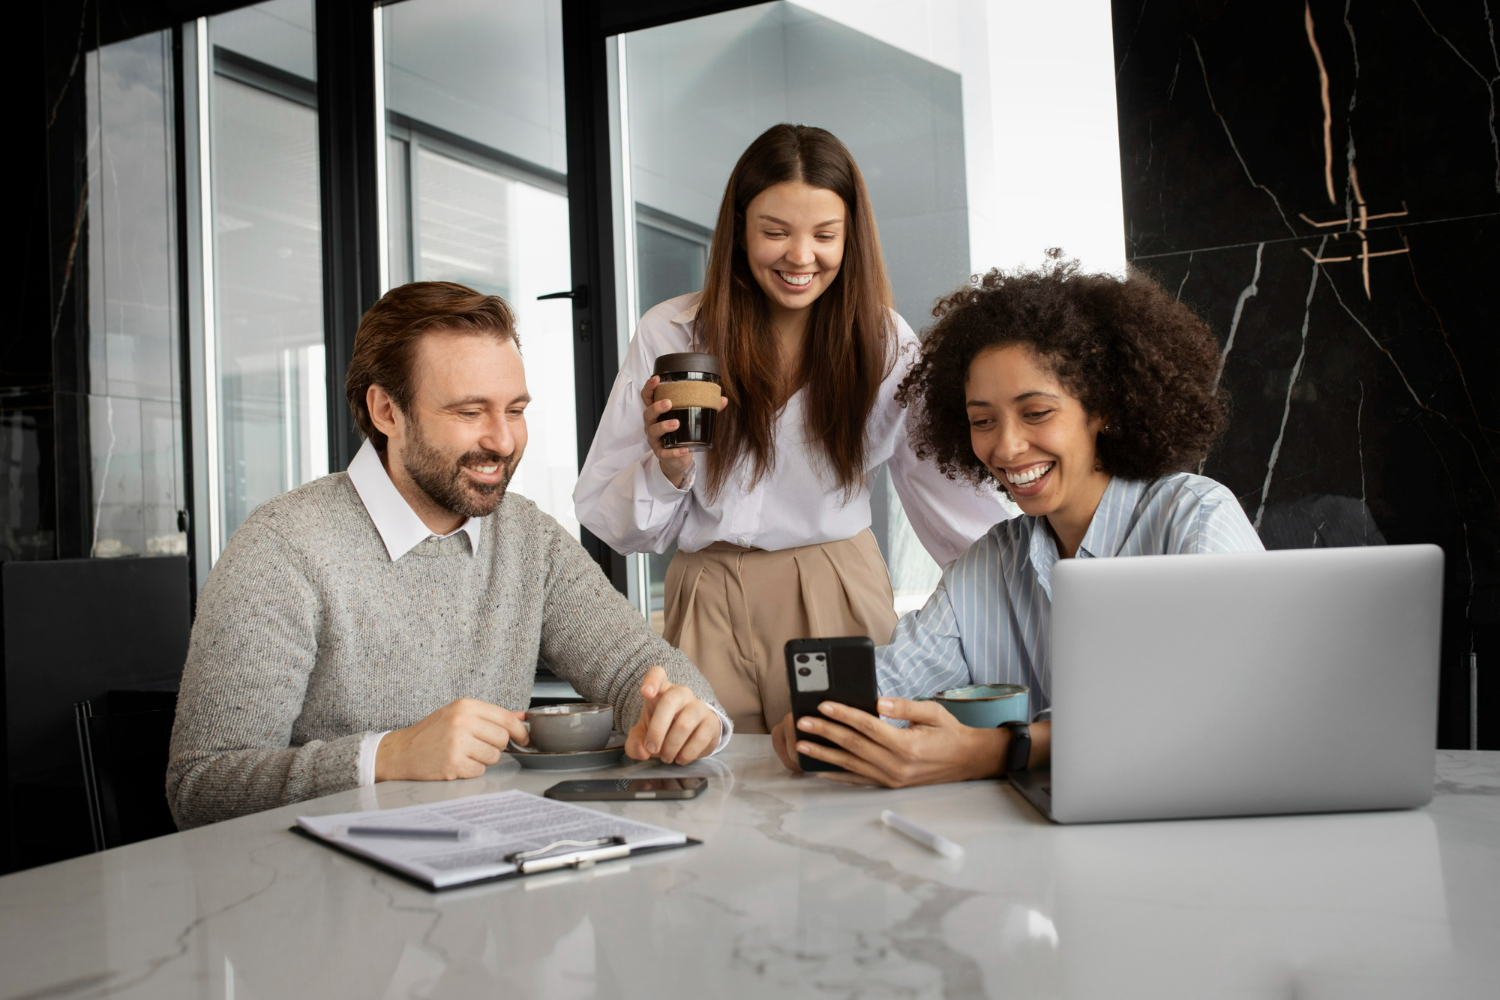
<point x="1364" y="387"/>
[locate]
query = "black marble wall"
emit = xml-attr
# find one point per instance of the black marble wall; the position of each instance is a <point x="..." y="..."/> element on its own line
<point x="1322" y="183"/>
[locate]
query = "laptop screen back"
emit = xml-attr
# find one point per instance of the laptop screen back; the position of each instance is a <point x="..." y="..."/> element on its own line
<point x="1219" y="685"/>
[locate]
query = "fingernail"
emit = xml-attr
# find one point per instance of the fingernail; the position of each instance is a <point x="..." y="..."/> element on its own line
<point x="825" y="707"/>
<point x="804" y="723"/>
<point x="886" y="706"/>
<point x="651" y="748"/>
<point x="804" y="748"/>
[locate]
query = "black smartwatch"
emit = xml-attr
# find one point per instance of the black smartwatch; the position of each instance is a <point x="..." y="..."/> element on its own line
<point x="1019" y="754"/>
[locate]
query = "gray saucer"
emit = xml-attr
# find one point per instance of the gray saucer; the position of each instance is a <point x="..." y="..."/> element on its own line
<point x="570" y="760"/>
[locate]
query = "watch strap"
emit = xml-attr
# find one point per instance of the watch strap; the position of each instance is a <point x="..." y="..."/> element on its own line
<point x="1019" y="753"/>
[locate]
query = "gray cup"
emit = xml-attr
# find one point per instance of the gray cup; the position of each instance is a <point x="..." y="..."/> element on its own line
<point x="568" y="728"/>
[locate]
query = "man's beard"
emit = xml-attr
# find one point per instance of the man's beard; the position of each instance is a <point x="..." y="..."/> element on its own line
<point x="447" y="484"/>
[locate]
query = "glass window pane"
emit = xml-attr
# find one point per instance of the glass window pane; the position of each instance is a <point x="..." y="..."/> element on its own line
<point x="135" y="425"/>
<point x="489" y="72"/>
<point x="672" y="260"/>
<point x="268" y="294"/>
<point x="476" y="194"/>
<point x="985" y="131"/>
<point x="277" y="33"/>
<point x="464" y="218"/>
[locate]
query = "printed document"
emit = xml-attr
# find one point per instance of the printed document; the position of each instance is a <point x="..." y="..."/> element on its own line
<point x="494" y="825"/>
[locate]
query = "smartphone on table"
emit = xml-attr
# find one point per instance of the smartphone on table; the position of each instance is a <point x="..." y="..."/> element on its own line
<point x="819" y="670"/>
<point x="614" y="789"/>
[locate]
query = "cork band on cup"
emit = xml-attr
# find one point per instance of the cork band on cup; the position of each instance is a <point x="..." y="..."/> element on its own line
<point x="684" y="394"/>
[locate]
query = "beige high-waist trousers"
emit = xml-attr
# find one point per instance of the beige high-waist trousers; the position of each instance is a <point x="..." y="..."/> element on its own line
<point x="732" y="610"/>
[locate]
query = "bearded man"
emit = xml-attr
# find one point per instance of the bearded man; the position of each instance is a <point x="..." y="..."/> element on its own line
<point x="386" y="622"/>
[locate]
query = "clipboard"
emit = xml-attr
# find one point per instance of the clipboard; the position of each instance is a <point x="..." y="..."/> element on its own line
<point x="486" y="837"/>
<point x="486" y="880"/>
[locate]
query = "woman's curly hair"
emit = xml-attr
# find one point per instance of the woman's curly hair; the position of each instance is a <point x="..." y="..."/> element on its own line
<point x="1126" y="349"/>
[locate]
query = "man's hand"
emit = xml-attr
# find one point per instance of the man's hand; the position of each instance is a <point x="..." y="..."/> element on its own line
<point x="459" y="740"/>
<point x="936" y="747"/>
<point x="675" y="724"/>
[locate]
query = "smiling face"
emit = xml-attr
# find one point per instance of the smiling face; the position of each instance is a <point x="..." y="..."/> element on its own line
<point x="1034" y="436"/>
<point x="455" y="448"/>
<point x="794" y="241"/>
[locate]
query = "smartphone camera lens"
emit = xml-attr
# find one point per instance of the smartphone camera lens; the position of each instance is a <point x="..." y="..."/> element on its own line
<point x="801" y="657"/>
<point x="804" y="671"/>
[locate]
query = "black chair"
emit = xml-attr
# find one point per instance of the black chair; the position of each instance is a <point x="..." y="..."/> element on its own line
<point x="124" y="753"/>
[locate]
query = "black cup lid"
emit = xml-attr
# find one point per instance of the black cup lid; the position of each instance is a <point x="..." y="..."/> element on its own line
<point x="668" y="363"/>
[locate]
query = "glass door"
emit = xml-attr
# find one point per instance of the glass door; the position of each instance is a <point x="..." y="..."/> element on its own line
<point x="476" y="192"/>
<point x="265" y="400"/>
<point x="985" y="131"/>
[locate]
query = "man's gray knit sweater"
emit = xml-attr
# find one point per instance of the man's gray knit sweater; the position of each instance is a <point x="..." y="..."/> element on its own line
<point x="309" y="636"/>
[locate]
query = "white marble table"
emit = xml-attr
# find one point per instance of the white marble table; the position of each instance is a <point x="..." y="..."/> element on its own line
<point x="798" y="891"/>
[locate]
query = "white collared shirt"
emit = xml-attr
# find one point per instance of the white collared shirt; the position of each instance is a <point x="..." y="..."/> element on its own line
<point x="623" y="497"/>
<point x="402" y="530"/>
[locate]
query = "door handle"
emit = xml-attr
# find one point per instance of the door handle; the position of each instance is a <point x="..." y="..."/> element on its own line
<point x="579" y="295"/>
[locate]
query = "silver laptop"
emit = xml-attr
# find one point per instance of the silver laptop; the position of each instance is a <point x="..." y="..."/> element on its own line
<point x="1303" y="680"/>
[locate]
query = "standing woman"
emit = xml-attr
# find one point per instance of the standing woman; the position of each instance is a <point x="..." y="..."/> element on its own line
<point x="773" y="523"/>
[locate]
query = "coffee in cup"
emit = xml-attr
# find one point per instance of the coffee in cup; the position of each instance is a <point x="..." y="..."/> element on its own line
<point x="691" y="382"/>
<point x="571" y="727"/>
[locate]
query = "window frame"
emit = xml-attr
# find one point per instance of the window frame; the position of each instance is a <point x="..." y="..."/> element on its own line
<point x="353" y="127"/>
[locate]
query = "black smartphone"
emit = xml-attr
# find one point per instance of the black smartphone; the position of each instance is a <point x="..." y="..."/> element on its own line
<point x="627" y="788"/>
<point x="819" y="670"/>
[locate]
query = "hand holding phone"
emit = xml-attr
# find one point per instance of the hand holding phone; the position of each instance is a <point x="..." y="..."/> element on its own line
<point x="840" y="670"/>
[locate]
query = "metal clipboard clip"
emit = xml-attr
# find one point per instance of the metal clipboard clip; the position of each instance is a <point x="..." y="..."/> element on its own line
<point x="585" y="854"/>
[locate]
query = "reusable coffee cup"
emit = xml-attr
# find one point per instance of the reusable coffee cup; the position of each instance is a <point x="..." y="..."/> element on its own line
<point x="691" y="382"/>
<point x="985" y="706"/>
<point x="567" y="728"/>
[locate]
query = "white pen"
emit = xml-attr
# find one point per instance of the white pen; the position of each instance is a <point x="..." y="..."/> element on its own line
<point x="926" y="838"/>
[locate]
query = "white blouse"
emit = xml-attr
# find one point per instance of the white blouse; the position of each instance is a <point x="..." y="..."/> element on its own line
<point x="623" y="497"/>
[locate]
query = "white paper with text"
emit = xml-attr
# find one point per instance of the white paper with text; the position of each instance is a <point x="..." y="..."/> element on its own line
<point x="507" y="822"/>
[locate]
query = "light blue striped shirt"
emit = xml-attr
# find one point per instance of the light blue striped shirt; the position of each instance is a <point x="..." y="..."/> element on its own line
<point x="990" y="619"/>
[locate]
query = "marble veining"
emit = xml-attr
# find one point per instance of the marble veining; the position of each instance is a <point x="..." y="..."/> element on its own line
<point x="1246" y="294"/>
<point x="1356" y="141"/>
<point x="78" y="50"/>
<point x="1291" y="385"/>
<point x="1488" y="81"/>
<point x="917" y="937"/>
<point x="80" y="214"/>
<point x="1230" y="135"/>
<point x="798" y="890"/>
<point x="1465" y="774"/>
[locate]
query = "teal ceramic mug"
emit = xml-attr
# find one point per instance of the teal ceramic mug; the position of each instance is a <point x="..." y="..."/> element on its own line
<point x="985" y="706"/>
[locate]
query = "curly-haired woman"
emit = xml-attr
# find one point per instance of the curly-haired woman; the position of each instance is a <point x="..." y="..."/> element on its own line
<point x="1086" y="397"/>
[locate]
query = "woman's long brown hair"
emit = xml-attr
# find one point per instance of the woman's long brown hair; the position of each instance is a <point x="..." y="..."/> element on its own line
<point x="850" y="346"/>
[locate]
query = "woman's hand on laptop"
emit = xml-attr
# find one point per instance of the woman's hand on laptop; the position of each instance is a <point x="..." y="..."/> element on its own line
<point x="934" y="749"/>
<point x="675" y="724"/>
